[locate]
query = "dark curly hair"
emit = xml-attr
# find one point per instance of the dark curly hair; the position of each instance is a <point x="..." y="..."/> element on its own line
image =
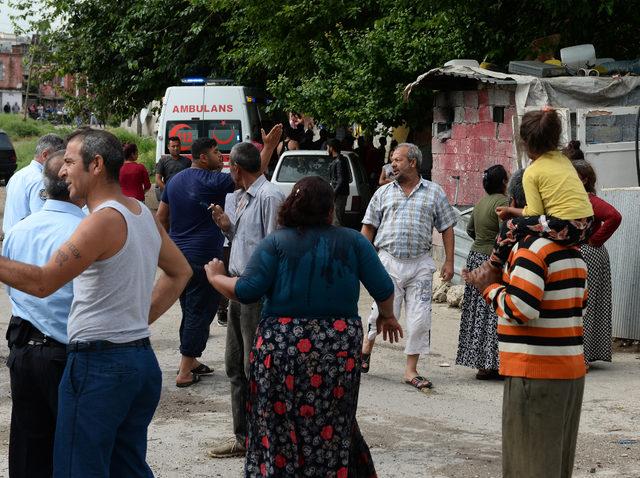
<point x="494" y="179"/>
<point x="540" y="131"/>
<point x="309" y="203"/>
<point x="573" y="151"/>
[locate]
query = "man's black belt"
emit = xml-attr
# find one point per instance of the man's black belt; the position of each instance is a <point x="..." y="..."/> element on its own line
<point x="98" y="345"/>
<point x="21" y="332"/>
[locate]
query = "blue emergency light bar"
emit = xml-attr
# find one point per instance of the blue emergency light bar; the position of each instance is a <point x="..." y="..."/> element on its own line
<point x="193" y="80"/>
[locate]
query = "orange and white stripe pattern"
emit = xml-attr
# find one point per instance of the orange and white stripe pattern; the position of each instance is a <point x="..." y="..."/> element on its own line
<point x="540" y="311"/>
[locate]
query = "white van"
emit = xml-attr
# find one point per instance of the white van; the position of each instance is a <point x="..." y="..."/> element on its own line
<point x="226" y="113"/>
<point x="295" y="165"/>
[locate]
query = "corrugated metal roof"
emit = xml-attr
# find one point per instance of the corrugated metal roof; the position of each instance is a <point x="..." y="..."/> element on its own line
<point x="441" y="78"/>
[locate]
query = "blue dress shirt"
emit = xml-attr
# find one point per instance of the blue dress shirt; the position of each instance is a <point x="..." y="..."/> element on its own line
<point x="25" y="195"/>
<point x="33" y="241"/>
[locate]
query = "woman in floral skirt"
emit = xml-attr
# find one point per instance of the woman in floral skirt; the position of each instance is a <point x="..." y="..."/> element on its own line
<point x="478" y="338"/>
<point x="305" y="372"/>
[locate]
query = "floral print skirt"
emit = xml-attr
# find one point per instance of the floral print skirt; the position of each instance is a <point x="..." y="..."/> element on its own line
<point x="303" y="395"/>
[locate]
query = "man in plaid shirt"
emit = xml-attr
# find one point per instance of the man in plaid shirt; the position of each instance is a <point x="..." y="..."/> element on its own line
<point x="400" y="221"/>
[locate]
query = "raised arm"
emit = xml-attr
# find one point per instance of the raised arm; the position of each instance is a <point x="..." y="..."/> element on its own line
<point x="269" y="141"/>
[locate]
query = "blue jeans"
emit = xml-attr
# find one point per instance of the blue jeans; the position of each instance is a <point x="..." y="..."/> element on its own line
<point x="199" y="303"/>
<point x="106" y="401"/>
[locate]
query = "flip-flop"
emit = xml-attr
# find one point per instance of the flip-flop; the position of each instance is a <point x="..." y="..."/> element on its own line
<point x="419" y="382"/>
<point x="366" y="362"/>
<point x="202" y="369"/>
<point x="195" y="378"/>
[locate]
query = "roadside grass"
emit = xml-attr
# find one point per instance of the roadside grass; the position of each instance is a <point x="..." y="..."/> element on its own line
<point x="24" y="136"/>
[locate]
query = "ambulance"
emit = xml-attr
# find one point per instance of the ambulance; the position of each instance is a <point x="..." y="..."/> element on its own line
<point x="205" y="108"/>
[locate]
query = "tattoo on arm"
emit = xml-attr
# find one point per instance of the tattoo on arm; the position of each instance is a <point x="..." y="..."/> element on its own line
<point x="74" y="250"/>
<point x="61" y="258"/>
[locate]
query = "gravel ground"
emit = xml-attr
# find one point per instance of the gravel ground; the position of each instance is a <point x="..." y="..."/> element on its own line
<point x="452" y="431"/>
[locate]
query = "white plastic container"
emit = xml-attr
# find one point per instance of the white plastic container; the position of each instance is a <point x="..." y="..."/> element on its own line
<point x="578" y="56"/>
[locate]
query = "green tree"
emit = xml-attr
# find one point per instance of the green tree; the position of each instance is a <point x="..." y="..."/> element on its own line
<point x="336" y="60"/>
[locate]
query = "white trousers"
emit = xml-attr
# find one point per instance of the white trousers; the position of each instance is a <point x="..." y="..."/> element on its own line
<point x="412" y="283"/>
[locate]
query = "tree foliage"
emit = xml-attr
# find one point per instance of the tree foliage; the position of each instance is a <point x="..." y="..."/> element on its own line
<point x="338" y="61"/>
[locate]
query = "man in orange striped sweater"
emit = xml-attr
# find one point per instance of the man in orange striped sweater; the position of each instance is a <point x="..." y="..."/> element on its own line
<point x="539" y="300"/>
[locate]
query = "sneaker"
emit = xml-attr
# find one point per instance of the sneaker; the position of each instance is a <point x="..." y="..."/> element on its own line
<point x="222" y="318"/>
<point x="229" y="449"/>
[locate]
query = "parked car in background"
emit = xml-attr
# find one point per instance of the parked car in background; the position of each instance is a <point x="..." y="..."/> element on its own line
<point x="294" y="165"/>
<point x="7" y="157"/>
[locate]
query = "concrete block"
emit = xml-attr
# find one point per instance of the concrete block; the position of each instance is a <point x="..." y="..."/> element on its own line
<point x="484" y="130"/>
<point x="470" y="98"/>
<point x="437" y="146"/>
<point x="484" y="114"/>
<point x="505" y="132"/>
<point x="451" y="146"/>
<point x="458" y="116"/>
<point x="456" y="98"/>
<point x="441" y="99"/>
<point x="442" y="115"/>
<point x="501" y="97"/>
<point x="483" y="97"/>
<point x="471" y="115"/>
<point x="460" y="130"/>
<point x="508" y="115"/>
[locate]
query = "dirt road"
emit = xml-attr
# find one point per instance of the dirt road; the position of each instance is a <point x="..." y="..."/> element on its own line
<point x="454" y="431"/>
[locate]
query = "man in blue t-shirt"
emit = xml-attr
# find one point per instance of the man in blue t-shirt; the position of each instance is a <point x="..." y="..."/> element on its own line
<point x="184" y="212"/>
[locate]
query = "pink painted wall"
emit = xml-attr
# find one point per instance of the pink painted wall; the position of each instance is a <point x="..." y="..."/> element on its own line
<point x="476" y="142"/>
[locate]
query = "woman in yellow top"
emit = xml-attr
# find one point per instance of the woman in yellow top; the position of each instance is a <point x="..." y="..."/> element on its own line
<point x="558" y="206"/>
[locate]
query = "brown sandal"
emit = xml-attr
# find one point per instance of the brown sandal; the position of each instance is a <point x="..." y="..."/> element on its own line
<point x="419" y="382"/>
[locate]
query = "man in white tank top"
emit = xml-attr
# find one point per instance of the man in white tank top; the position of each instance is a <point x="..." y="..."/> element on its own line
<point x="111" y="384"/>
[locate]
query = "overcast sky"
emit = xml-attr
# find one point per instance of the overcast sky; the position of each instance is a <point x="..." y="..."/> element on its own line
<point x="5" y="21"/>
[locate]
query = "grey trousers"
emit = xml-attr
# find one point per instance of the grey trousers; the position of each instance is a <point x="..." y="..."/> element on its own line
<point x="339" y="205"/>
<point x="540" y="421"/>
<point x="242" y="322"/>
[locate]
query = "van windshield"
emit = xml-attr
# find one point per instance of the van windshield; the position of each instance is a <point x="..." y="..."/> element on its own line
<point x="296" y="167"/>
<point x="226" y="133"/>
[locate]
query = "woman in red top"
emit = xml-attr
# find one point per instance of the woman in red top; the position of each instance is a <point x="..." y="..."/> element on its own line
<point x="597" y="316"/>
<point x="134" y="177"/>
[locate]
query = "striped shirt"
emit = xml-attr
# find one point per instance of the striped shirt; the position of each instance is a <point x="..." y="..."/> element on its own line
<point x="540" y="311"/>
<point x="405" y="223"/>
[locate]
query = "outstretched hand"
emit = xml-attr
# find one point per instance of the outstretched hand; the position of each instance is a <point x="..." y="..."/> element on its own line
<point x="272" y="139"/>
<point x="390" y="328"/>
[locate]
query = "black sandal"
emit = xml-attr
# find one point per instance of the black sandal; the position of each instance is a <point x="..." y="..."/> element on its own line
<point x="366" y="362"/>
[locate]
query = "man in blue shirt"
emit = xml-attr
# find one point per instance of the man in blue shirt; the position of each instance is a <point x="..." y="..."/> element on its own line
<point x="25" y="190"/>
<point x="185" y="211"/>
<point x="38" y="329"/>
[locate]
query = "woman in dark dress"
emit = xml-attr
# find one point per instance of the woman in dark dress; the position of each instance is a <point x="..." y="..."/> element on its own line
<point x="478" y="338"/>
<point x="597" y="316"/>
<point x="305" y="364"/>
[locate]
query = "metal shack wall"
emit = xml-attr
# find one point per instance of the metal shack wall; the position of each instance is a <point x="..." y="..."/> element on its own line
<point x="624" y="252"/>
